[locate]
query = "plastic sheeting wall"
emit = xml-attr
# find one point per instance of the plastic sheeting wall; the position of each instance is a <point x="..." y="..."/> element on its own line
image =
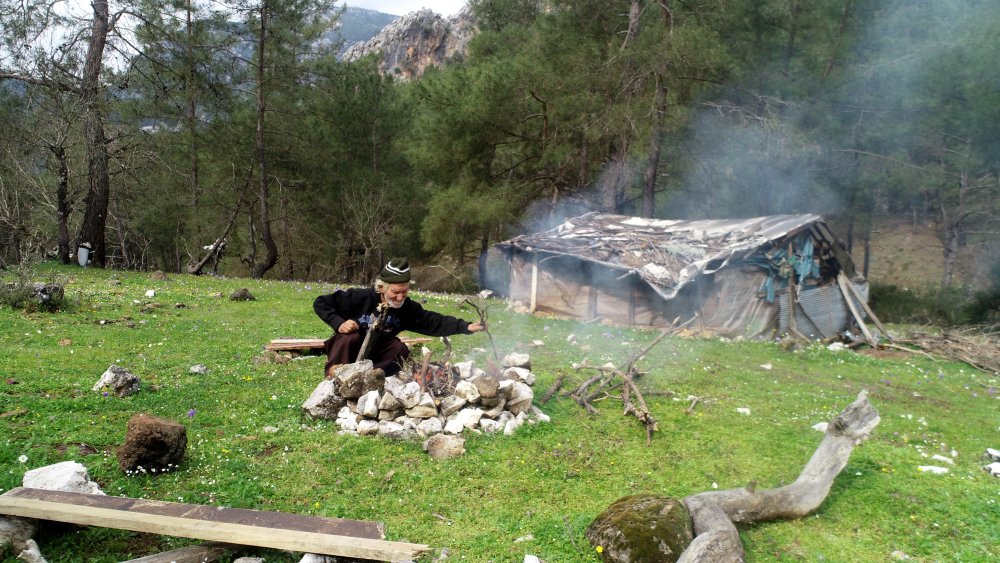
<point x="727" y="303"/>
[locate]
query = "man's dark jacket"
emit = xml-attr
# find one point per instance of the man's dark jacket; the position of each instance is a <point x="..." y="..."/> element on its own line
<point x="361" y="304"/>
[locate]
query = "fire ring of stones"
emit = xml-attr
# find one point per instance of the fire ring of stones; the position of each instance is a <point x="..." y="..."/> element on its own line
<point x="445" y="398"/>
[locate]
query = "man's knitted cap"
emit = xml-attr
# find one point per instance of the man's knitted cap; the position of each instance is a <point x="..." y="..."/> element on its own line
<point x="396" y="271"/>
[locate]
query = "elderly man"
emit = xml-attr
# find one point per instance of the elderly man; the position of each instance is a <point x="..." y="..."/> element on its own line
<point x="351" y="312"/>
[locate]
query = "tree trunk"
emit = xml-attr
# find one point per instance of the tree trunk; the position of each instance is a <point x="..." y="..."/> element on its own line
<point x="62" y="203"/>
<point x="715" y="512"/>
<point x="655" y="148"/>
<point x="271" y="258"/>
<point x="634" y="11"/>
<point x="95" y="217"/>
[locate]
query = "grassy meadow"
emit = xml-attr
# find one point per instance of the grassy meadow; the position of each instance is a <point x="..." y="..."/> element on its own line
<point x="532" y="493"/>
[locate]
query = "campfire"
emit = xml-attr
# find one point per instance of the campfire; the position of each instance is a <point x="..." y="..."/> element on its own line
<point x="427" y="398"/>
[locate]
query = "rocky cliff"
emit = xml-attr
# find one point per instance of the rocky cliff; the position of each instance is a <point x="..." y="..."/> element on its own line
<point x="417" y="41"/>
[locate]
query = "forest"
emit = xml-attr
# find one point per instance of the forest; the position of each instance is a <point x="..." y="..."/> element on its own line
<point x="227" y="137"/>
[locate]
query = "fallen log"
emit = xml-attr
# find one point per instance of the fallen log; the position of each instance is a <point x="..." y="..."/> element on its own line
<point x="714" y="513"/>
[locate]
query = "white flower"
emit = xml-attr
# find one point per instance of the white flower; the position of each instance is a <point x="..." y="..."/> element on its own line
<point x="23" y="458"/>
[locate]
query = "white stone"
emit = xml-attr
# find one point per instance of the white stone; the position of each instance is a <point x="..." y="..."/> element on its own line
<point x="199" y="369"/>
<point x="368" y="404"/>
<point x="150" y="293"/>
<point x="368" y="427"/>
<point x="520" y="374"/>
<point x="520" y="398"/>
<point x="346" y="371"/>
<point x="454" y="426"/>
<point x="821" y="426"/>
<point x="943" y="459"/>
<point x="511" y="426"/>
<point x="516" y="359"/>
<point x="388" y="402"/>
<point x="993" y="468"/>
<point x="408" y="395"/>
<point x="270" y="429"/>
<point x="430" y="427"/>
<point x="767" y="366"/>
<point x="323" y="399"/>
<point x="743" y="410"/>
<point x="465" y="369"/>
<point x="67" y="476"/>
<point x="31" y="553"/>
<point x="249" y="560"/>
<point x="390" y="429"/>
<point x="932" y="469"/>
<point x="425" y="408"/>
<point x="349" y="424"/>
<point x="529" y="558"/>
<point x="504" y="389"/>
<point x="451" y="404"/>
<point x="539" y="415"/>
<point x="993" y="454"/>
<point x="469" y="417"/>
<point x="467" y="390"/>
<point x="345" y="412"/>
<point x="490" y="426"/>
<point x="314" y="558"/>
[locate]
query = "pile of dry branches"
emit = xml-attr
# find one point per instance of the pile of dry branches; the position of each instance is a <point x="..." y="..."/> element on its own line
<point x="609" y="378"/>
<point x="977" y="346"/>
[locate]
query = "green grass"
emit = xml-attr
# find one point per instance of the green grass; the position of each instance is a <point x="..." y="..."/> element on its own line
<point x="548" y="481"/>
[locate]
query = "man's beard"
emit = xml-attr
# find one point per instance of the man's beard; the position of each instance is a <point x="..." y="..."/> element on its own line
<point x="394" y="304"/>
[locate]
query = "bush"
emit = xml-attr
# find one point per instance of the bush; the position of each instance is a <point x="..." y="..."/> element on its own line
<point x="23" y="293"/>
<point x="985" y="305"/>
<point x="896" y="304"/>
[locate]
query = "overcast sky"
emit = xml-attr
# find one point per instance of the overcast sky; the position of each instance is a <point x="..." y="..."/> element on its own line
<point x="403" y="7"/>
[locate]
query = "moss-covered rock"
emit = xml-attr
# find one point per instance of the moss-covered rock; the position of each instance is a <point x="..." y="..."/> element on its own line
<point x="643" y="528"/>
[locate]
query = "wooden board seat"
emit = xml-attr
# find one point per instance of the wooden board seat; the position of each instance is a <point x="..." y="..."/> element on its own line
<point x="275" y="530"/>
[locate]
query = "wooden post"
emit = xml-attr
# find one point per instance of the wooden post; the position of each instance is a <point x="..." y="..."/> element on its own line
<point x="534" y="284"/>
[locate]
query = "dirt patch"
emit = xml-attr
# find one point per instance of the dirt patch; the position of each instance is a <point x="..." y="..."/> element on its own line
<point x="884" y="354"/>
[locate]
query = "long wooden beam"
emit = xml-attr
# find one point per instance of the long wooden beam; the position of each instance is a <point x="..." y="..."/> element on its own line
<point x="279" y="344"/>
<point x="273" y="530"/>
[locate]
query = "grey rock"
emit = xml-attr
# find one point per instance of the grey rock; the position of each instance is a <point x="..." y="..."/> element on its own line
<point x="487" y="386"/>
<point x="119" y="381"/>
<point x="324" y="402"/>
<point x="199" y="369"/>
<point x="520" y="398"/>
<point x="444" y="446"/>
<point x="520" y="374"/>
<point x="467" y="390"/>
<point x="368" y="404"/>
<point x="356" y="382"/>
<point x="516" y="360"/>
<point x="451" y="404"/>
<point x="423" y="409"/>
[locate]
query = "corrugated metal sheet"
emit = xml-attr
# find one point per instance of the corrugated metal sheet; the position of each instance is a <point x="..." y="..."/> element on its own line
<point x="822" y="311"/>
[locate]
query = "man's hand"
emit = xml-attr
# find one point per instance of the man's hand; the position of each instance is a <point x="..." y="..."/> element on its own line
<point x="477" y="327"/>
<point x="348" y="327"/>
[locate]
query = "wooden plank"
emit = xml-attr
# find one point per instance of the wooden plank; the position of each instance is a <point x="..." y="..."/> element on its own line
<point x="273" y="530"/>
<point x="203" y="553"/>
<point x="279" y="344"/>
<point x="868" y="310"/>
<point x="842" y="281"/>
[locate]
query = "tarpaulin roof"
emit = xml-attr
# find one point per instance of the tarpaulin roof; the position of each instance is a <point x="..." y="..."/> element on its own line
<point x="666" y="254"/>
